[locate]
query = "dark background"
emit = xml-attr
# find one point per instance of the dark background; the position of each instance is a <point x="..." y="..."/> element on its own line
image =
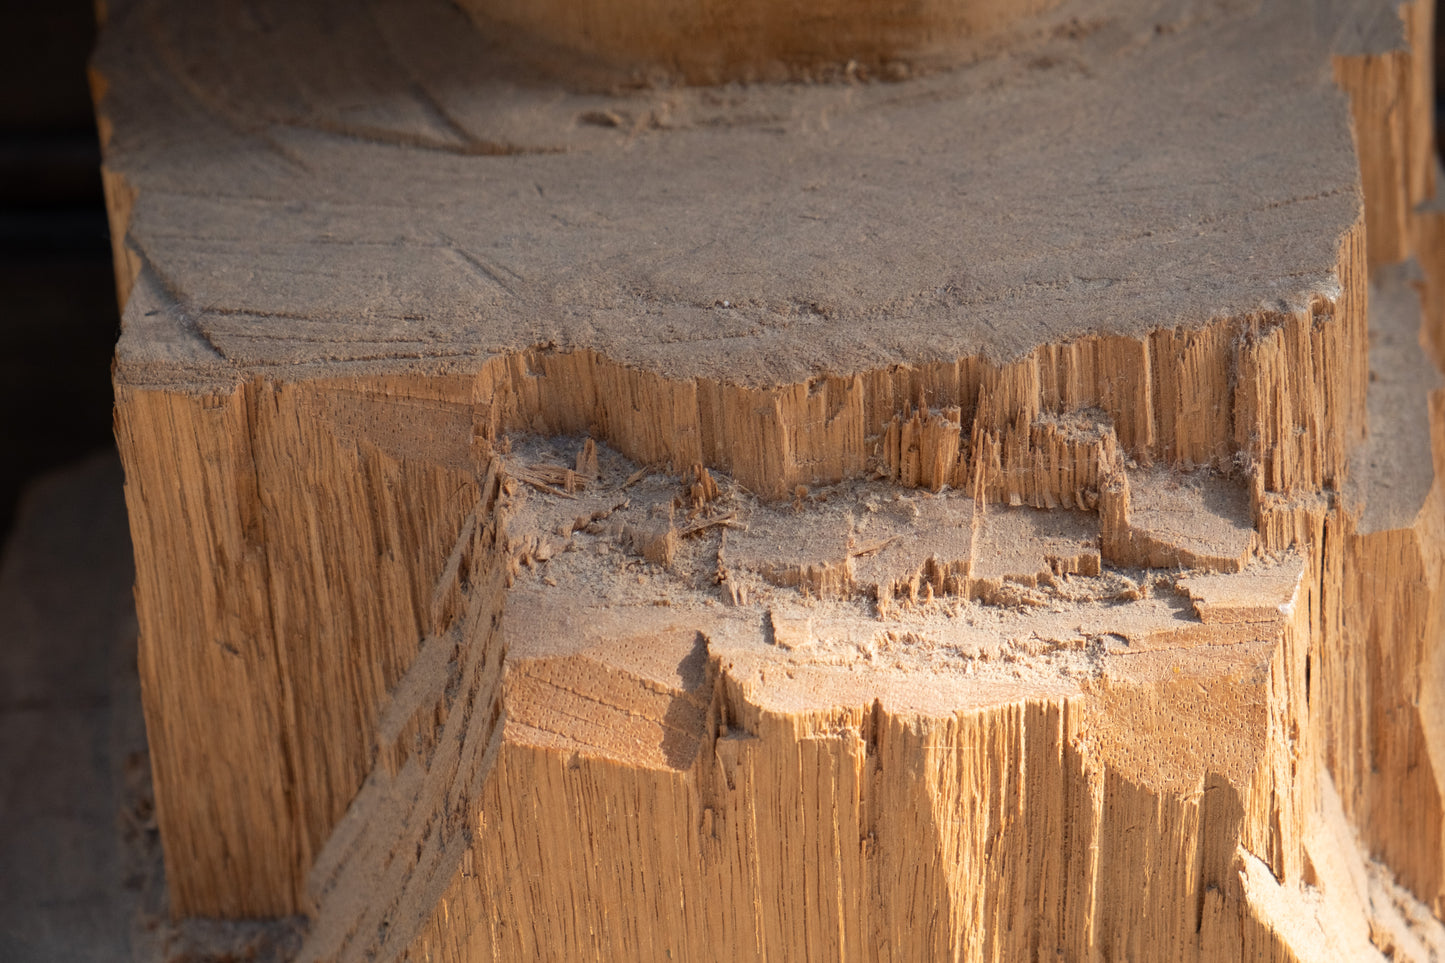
<point x="58" y="317"/>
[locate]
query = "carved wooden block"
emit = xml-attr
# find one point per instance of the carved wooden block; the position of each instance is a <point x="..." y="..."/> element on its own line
<point x="974" y="506"/>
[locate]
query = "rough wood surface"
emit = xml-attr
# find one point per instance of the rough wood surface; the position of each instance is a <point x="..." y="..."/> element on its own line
<point x="988" y="515"/>
<point x="371" y="203"/>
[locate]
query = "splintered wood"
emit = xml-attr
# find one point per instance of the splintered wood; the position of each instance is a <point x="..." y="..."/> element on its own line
<point x="994" y="514"/>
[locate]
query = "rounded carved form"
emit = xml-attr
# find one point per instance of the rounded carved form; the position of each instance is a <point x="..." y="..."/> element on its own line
<point x="711" y="41"/>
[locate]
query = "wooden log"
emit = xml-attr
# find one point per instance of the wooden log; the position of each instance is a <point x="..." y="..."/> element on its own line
<point x="988" y="515"/>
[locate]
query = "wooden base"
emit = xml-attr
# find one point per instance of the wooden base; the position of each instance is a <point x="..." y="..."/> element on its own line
<point x="984" y="517"/>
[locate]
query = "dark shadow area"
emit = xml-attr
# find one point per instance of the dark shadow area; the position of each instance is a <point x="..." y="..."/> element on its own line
<point x="1439" y="82"/>
<point x="59" y="320"/>
<point x="78" y="851"/>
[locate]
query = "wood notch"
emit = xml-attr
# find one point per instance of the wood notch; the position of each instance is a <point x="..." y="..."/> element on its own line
<point x="982" y="503"/>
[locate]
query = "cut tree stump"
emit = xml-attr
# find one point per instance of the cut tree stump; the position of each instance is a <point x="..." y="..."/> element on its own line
<point x="977" y="502"/>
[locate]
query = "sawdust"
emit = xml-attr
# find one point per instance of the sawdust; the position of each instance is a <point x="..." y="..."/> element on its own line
<point x="853" y="575"/>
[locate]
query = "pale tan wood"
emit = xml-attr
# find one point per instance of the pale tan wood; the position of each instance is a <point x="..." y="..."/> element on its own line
<point x="992" y="515"/>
